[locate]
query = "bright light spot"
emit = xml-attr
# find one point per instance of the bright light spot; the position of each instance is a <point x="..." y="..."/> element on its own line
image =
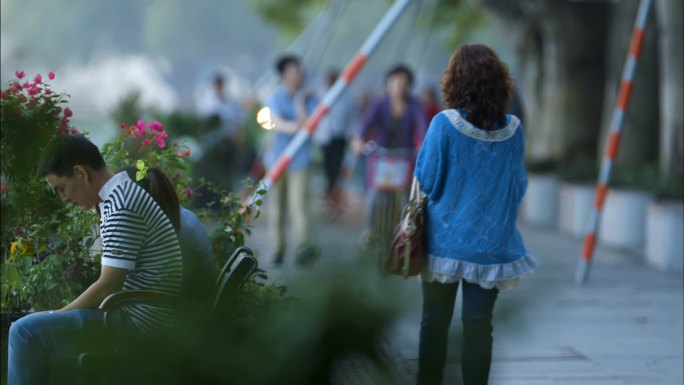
<point x="264" y="118"/>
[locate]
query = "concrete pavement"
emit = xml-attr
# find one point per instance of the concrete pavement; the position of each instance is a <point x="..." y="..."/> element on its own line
<point x="625" y="326"/>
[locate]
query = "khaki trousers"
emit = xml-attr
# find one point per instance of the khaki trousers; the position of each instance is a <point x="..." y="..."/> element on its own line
<point x="289" y="196"/>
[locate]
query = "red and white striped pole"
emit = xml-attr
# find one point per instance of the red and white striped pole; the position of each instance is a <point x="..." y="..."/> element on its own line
<point x="613" y="142"/>
<point x="274" y="174"/>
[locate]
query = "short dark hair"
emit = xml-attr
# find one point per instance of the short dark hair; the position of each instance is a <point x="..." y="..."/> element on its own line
<point x="284" y="61"/>
<point x="64" y="152"/>
<point x="161" y="189"/>
<point x="400" y="69"/>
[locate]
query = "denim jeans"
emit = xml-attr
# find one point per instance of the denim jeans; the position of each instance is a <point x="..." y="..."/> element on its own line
<point x="44" y="347"/>
<point x="476" y="315"/>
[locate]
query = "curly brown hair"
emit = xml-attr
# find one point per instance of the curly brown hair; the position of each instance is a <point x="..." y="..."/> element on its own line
<point x="477" y="80"/>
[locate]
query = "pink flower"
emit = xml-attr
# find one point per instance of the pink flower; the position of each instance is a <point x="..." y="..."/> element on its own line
<point x="156" y="126"/>
<point x="4" y="187"/>
<point x="20" y="74"/>
<point x="187" y="191"/>
<point x="48" y="91"/>
<point x="33" y="90"/>
<point x="16" y="87"/>
<point x="187" y="152"/>
<point x="38" y="79"/>
<point x="145" y="142"/>
<point x="74" y="130"/>
<point x="67" y="112"/>
<point x="180" y="153"/>
<point x="160" y="139"/>
<point x="141" y="123"/>
<point x="3" y="95"/>
<point x="51" y="76"/>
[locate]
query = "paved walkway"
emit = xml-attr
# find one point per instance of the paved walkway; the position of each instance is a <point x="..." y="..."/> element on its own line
<point x="624" y="327"/>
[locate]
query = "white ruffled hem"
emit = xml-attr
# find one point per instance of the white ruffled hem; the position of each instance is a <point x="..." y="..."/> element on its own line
<point x="502" y="276"/>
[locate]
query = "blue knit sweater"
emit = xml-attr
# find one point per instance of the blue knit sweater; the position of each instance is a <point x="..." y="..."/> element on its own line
<point x="474" y="180"/>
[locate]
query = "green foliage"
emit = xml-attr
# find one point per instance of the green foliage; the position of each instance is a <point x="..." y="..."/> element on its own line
<point x="45" y="258"/>
<point x="128" y="109"/>
<point x="541" y="166"/>
<point x="458" y="17"/>
<point x="289" y="16"/>
<point x="580" y="170"/>
<point x="647" y="178"/>
<point x="234" y="218"/>
<point x="184" y="124"/>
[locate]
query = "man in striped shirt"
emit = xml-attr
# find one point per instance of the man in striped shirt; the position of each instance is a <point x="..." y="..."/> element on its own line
<point x="140" y="251"/>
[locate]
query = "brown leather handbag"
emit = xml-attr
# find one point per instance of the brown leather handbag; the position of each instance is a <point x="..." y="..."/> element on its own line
<point x="406" y="255"/>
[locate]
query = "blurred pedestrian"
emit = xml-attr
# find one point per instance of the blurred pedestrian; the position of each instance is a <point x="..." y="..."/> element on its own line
<point x="391" y="133"/>
<point x="332" y="135"/>
<point x="222" y="143"/>
<point x="471" y="167"/>
<point x="431" y="104"/>
<point x="290" y="106"/>
<point x="217" y="106"/>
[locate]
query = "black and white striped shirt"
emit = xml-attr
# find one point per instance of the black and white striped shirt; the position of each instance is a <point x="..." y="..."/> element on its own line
<point x="139" y="237"/>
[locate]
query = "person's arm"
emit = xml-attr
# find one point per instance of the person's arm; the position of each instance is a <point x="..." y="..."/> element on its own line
<point x="111" y="280"/>
<point x="432" y="157"/>
<point x="283" y="125"/>
<point x="287" y="126"/>
<point x="368" y="120"/>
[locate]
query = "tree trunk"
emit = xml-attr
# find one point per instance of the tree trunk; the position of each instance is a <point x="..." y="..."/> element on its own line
<point x="562" y="51"/>
<point x="669" y="15"/>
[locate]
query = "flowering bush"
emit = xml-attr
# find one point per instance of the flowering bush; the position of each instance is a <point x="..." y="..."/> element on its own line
<point x="44" y="243"/>
<point x="31" y="115"/>
<point x="147" y="142"/>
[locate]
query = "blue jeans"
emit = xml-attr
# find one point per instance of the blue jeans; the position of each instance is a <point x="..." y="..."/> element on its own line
<point x="476" y="315"/>
<point x="44" y="347"/>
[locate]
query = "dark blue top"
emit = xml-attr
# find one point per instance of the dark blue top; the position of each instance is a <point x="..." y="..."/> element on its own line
<point x="199" y="267"/>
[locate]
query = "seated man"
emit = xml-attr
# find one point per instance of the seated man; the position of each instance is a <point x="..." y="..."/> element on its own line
<point x="140" y="250"/>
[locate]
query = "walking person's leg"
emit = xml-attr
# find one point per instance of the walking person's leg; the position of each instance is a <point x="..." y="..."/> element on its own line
<point x="299" y="202"/>
<point x="277" y="207"/>
<point x="476" y="356"/>
<point x="438" y="309"/>
<point x="337" y="148"/>
<point x="329" y="167"/>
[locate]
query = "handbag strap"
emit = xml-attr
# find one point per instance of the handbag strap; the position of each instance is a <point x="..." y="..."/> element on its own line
<point x="415" y="195"/>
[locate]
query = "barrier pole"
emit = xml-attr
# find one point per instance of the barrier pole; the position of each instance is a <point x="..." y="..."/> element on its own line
<point x="349" y="73"/>
<point x="635" y="45"/>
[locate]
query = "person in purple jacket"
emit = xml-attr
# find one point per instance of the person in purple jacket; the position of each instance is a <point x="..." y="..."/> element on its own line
<point x="391" y="132"/>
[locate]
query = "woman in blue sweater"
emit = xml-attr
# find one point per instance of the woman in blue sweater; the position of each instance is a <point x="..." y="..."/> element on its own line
<point x="471" y="168"/>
